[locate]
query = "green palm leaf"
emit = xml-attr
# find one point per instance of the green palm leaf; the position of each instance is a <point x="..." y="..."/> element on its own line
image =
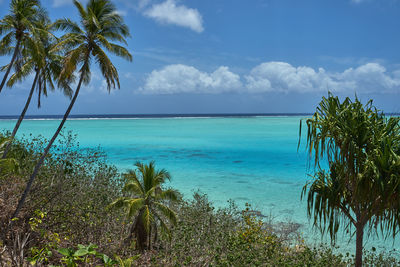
<point x="145" y="185"/>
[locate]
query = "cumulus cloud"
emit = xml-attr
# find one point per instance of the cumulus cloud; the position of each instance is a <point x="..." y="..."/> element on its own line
<point x="169" y="12"/>
<point x="59" y="3"/>
<point x="143" y="3"/>
<point x="180" y="78"/>
<point x="283" y="77"/>
<point x="122" y="12"/>
<point x="278" y="77"/>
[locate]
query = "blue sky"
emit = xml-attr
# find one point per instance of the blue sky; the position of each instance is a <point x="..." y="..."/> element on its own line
<point x="239" y="56"/>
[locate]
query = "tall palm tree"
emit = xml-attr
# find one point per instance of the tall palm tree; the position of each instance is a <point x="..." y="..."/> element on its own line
<point x="361" y="189"/>
<point x="100" y="25"/>
<point x="146" y="202"/>
<point x="17" y="28"/>
<point x="47" y="64"/>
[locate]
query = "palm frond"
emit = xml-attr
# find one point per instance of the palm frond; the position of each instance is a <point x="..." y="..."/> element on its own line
<point x="67" y="25"/>
<point x="169" y="194"/>
<point x="108" y="70"/>
<point x="166" y="211"/>
<point x="147" y="218"/>
<point x="114" y="48"/>
<point x="131" y="177"/>
<point x="134" y="205"/>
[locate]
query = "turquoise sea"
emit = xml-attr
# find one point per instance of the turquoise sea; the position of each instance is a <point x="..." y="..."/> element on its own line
<point x="246" y="159"/>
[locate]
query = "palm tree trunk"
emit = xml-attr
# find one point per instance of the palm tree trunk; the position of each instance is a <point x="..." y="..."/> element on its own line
<point x="16" y="51"/>
<point x="359" y="244"/>
<point x="149" y="237"/>
<point x="46" y="151"/>
<point x="21" y="117"/>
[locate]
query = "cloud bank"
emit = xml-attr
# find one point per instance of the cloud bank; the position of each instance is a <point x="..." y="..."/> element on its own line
<point x="169" y="12"/>
<point x="59" y="3"/>
<point x="277" y="77"/>
<point x="180" y="78"/>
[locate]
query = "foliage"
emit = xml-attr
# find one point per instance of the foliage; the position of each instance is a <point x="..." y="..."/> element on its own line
<point x="46" y="60"/>
<point x="147" y="203"/>
<point x="89" y="256"/>
<point x="18" y="28"/>
<point x="205" y="236"/>
<point x="72" y="192"/>
<point x="82" y="254"/>
<point x="362" y="185"/>
<point x="7" y="165"/>
<point x="101" y="25"/>
<point x="41" y="255"/>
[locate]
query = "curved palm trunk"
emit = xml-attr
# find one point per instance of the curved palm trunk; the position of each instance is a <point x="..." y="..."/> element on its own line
<point x="16" y="51"/>
<point x="21" y="117"/>
<point x="46" y="151"/>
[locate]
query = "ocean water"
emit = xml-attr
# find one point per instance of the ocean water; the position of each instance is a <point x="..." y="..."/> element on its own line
<point x="247" y="159"/>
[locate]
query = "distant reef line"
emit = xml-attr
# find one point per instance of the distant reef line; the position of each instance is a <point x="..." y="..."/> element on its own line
<point x="155" y="116"/>
<point x="172" y="115"/>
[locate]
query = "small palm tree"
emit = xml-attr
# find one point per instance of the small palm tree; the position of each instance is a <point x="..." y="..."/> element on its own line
<point x="47" y="64"/>
<point x="146" y="203"/>
<point x="18" y="28"/>
<point x="101" y="24"/>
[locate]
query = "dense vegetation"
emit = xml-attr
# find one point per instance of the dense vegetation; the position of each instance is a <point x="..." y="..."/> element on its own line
<point x="68" y="220"/>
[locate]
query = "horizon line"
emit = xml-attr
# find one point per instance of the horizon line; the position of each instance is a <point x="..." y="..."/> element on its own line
<point x="164" y="115"/>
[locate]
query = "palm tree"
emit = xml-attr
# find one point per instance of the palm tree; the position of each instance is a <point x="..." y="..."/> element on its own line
<point x="362" y="186"/>
<point x="47" y="65"/>
<point x="101" y="24"/>
<point x="146" y="203"/>
<point x="17" y="28"/>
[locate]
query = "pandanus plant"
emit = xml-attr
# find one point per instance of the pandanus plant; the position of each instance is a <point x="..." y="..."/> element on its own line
<point x="361" y="188"/>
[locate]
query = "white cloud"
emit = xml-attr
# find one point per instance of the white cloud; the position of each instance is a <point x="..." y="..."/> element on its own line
<point x="59" y="3"/>
<point x="122" y="13"/>
<point x="370" y="77"/>
<point x="169" y="12"/>
<point x="143" y="3"/>
<point x="180" y="78"/>
<point x="279" y="77"/>
<point x="283" y="77"/>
